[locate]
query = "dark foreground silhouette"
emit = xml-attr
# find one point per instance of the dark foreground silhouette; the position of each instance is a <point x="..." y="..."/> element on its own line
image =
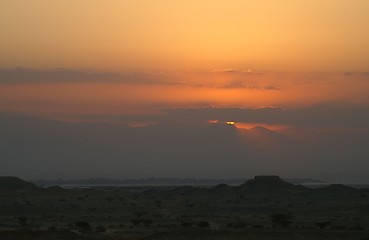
<point x="265" y="207"/>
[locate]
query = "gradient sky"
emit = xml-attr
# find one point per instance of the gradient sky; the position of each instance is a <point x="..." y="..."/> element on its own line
<point x="262" y="34"/>
<point x="144" y="63"/>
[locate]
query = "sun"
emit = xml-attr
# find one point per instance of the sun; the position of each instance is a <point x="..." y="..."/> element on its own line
<point x="230" y="123"/>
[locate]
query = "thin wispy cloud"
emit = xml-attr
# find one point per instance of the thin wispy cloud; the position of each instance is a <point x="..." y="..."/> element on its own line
<point x="21" y="75"/>
<point x="353" y="74"/>
<point x="324" y="115"/>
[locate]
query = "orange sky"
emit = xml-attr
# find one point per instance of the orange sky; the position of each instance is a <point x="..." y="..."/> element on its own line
<point x="200" y="89"/>
<point x="253" y="53"/>
<point x="261" y="34"/>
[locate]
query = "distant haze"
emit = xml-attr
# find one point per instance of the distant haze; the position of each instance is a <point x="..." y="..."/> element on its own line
<point x="36" y="148"/>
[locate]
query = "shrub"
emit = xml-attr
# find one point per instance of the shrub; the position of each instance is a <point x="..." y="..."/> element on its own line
<point x="203" y="224"/>
<point x="100" y="228"/>
<point x="23" y="221"/>
<point x="281" y="220"/>
<point x="322" y="225"/>
<point x="83" y="226"/>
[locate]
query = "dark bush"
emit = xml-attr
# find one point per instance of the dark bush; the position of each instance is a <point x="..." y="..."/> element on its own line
<point x="52" y="228"/>
<point x="100" y="228"/>
<point x="83" y="226"/>
<point x="146" y="222"/>
<point x="322" y="225"/>
<point x="281" y="220"/>
<point x="23" y="221"/>
<point x="203" y="224"/>
<point x="186" y="224"/>
<point x="135" y="221"/>
<point x="357" y="227"/>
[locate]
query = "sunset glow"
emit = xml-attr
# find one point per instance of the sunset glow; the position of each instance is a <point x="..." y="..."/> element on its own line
<point x="145" y="55"/>
<point x="162" y="34"/>
<point x="165" y="78"/>
<point x="264" y="125"/>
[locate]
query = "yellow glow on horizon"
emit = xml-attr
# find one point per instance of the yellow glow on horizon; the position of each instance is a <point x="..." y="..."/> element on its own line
<point x="222" y="90"/>
<point x="230" y="123"/>
<point x="245" y="125"/>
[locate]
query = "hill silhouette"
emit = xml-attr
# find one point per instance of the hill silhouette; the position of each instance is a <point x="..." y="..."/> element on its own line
<point x="8" y="183"/>
<point x="269" y="184"/>
<point x="336" y="190"/>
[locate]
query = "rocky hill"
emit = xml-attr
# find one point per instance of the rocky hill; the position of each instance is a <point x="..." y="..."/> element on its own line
<point x="13" y="183"/>
<point x="269" y="184"/>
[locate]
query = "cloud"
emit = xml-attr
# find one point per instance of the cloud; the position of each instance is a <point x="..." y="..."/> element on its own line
<point x="236" y="71"/>
<point x="245" y="84"/>
<point x="323" y="115"/>
<point x="271" y="87"/>
<point x="226" y="70"/>
<point x="118" y="93"/>
<point x="238" y="84"/>
<point x="61" y="75"/>
<point x="26" y="75"/>
<point x="217" y="78"/>
<point x="231" y="78"/>
<point x="360" y="74"/>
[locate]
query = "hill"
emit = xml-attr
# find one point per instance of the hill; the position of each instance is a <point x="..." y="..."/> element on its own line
<point x="269" y="184"/>
<point x="8" y="183"/>
<point x="335" y="190"/>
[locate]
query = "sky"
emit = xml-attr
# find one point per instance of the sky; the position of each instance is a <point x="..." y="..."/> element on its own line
<point x="147" y="69"/>
<point x="161" y="34"/>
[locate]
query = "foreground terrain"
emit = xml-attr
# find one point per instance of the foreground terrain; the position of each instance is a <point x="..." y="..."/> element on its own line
<point x="265" y="207"/>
